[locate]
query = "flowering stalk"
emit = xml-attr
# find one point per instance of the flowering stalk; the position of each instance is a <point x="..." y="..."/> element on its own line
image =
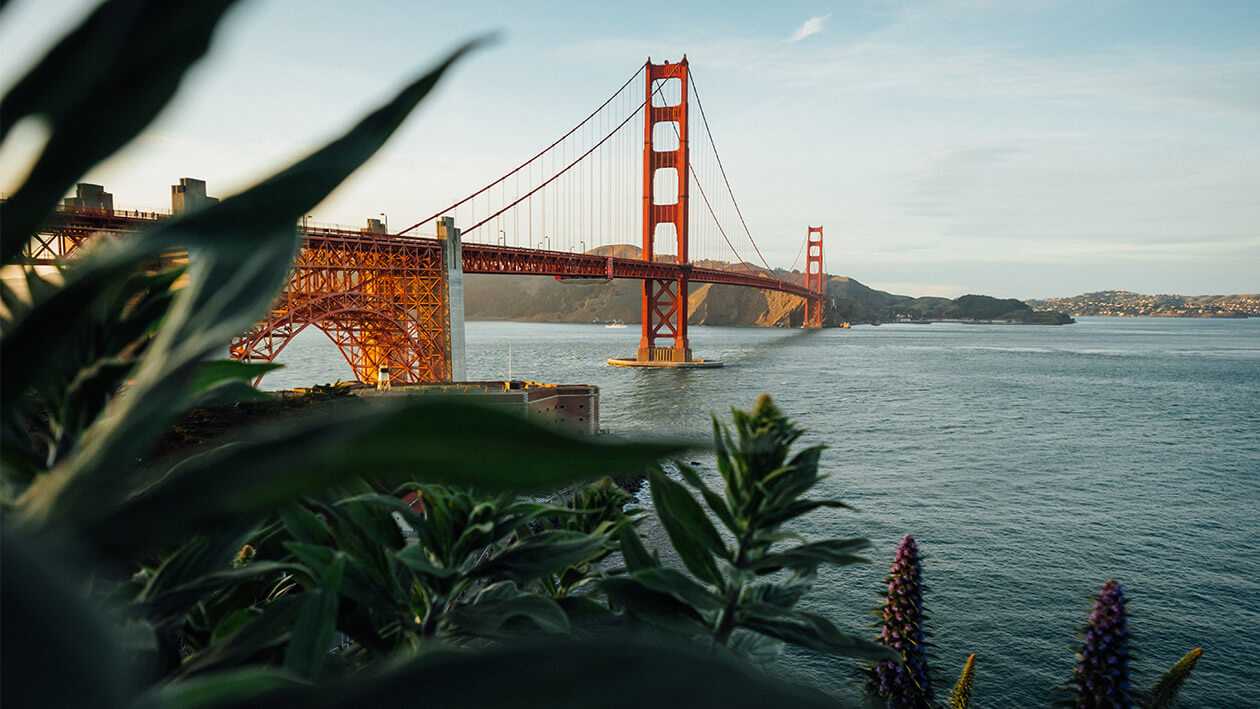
<point x="1101" y="678"/>
<point x="960" y="698"/>
<point x="904" y="684"/>
<point x="1164" y="693"/>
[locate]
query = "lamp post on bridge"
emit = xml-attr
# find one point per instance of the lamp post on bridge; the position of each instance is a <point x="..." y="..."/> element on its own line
<point x="502" y="238"/>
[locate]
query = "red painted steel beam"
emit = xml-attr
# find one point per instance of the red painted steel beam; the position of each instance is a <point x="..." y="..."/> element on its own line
<point x="478" y="258"/>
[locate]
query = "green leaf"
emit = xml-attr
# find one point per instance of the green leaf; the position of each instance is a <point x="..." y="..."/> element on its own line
<point x="193" y="560"/>
<point x="415" y="559"/>
<point x="179" y="598"/>
<point x="268" y="631"/>
<point x="217" y="372"/>
<point x="784" y="593"/>
<point x="689" y="529"/>
<point x="796" y="509"/>
<point x="223" y="689"/>
<point x="711" y="498"/>
<point x="312" y="635"/>
<point x="620" y="673"/>
<point x="303" y="525"/>
<point x="413" y="437"/>
<point x="633" y="552"/>
<point x="809" y="631"/>
<point x="677" y="584"/>
<point x="541" y="554"/>
<point x="840" y="552"/>
<point x="502" y="603"/>
<point x="793" y="480"/>
<point x="232" y="623"/>
<point x="662" y="610"/>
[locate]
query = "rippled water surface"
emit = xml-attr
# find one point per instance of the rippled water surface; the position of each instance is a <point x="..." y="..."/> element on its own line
<point x="1032" y="463"/>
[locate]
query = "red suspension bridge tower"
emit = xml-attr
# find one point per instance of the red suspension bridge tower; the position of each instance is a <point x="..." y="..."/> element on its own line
<point x="665" y="300"/>
<point x="815" y="279"/>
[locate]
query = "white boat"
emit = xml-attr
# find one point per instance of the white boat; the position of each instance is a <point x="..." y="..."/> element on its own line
<point x="615" y="323"/>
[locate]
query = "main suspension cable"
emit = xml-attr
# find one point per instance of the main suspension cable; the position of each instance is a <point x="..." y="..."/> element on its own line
<point x="527" y="162"/>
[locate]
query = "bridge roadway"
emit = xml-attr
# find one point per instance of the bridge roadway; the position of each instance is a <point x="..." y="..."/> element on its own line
<point x="72" y="227"/>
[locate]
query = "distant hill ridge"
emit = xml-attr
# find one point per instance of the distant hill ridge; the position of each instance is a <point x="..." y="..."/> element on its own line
<point x="1125" y="303"/>
<point x="539" y="299"/>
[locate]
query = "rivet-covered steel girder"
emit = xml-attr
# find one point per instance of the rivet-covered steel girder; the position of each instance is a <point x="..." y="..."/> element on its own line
<point x="379" y="297"/>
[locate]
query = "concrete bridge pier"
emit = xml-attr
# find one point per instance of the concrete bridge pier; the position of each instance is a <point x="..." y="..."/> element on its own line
<point x="453" y="298"/>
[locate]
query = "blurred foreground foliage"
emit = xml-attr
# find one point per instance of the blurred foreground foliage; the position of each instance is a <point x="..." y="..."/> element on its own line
<point x="275" y="568"/>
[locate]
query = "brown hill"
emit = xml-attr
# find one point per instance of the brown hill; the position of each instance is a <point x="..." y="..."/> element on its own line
<point x="542" y="299"/>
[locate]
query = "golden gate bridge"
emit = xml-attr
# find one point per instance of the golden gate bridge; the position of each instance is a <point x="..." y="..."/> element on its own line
<point x="388" y="300"/>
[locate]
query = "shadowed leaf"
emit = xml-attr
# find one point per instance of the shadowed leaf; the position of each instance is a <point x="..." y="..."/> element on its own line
<point x="48" y="630"/>
<point x="840" y="552"/>
<point x="811" y="631"/>
<point x="312" y="635"/>
<point x="620" y="674"/>
<point x="411" y="438"/>
<point x="690" y="530"/>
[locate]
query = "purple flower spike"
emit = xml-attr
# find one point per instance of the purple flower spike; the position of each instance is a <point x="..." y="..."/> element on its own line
<point x="903" y="616"/>
<point x="1102" y="672"/>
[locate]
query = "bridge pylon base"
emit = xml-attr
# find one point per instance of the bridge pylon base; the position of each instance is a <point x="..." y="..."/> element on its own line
<point x="665" y="363"/>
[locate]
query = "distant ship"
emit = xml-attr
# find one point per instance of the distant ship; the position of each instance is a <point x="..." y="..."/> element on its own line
<point x="615" y="323"/>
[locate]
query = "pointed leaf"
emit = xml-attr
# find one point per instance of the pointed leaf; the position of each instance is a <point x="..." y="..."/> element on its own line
<point x="541" y="554"/>
<point x="559" y="675"/>
<point x="490" y="612"/>
<point x="662" y="610"/>
<point x="312" y="635"/>
<point x="689" y="529"/>
<point x="810" y="631"/>
<point x="413" y="437"/>
<point x="715" y="501"/>
<point x="679" y="586"/>
<point x="633" y="552"/>
<point x="840" y="552"/>
<point x="222" y="689"/>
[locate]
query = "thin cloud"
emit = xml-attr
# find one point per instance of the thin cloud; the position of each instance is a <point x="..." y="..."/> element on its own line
<point x="813" y="25"/>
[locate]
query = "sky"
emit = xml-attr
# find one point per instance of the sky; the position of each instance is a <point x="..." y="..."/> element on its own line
<point x="1026" y="149"/>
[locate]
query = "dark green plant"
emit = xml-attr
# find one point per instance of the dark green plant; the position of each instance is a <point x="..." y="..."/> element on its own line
<point x="744" y="585"/>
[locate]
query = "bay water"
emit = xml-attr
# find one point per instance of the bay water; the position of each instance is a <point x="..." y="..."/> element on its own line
<point x="1031" y="463"/>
